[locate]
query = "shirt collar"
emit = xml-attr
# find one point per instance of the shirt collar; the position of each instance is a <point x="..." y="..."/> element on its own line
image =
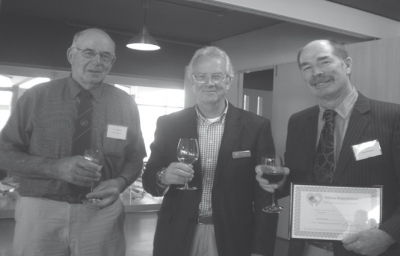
<point x="345" y="107"/>
<point x="75" y="89"/>
<point x="221" y="118"/>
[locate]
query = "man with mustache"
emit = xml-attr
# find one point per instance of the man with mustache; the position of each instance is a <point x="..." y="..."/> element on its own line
<point x="353" y="120"/>
<point x="43" y="144"/>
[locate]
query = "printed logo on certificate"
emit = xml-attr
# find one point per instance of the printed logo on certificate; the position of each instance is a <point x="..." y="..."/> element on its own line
<point x="333" y="212"/>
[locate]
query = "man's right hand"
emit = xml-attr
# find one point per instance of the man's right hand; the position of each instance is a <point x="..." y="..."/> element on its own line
<point x="77" y="170"/>
<point x="177" y="173"/>
<point x="265" y="184"/>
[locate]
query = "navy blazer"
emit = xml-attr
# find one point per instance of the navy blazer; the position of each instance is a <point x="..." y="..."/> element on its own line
<point x="241" y="228"/>
<point x="369" y="120"/>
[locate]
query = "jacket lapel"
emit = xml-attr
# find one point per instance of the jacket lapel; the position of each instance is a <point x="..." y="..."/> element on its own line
<point x="188" y="124"/>
<point x="310" y="143"/>
<point x="357" y="125"/>
<point x="233" y="127"/>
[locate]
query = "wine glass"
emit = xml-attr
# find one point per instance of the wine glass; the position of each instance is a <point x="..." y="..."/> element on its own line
<point x="94" y="156"/>
<point x="187" y="153"/>
<point x="272" y="168"/>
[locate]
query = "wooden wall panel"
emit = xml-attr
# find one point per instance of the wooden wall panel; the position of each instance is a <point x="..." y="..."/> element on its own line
<point x="376" y="68"/>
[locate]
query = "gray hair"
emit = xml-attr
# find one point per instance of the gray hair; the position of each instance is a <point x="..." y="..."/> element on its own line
<point x="214" y="52"/>
<point x="80" y="33"/>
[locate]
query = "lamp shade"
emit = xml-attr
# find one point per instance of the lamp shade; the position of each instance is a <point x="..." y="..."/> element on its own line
<point x="143" y="41"/>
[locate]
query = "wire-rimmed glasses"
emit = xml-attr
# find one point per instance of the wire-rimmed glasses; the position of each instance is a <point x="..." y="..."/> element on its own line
<point x="214" y="78"/>
<point x="91" y="54"/>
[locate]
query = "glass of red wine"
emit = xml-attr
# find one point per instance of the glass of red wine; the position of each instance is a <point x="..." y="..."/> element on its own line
<point x="272" y="168"/>
<point x="187" y="153"/>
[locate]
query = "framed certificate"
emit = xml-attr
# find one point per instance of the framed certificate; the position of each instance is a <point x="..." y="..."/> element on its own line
<point x="333" y="212"/>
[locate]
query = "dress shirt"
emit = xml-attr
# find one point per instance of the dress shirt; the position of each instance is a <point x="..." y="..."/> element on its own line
<point x="342" y="119"/>
<point x="42" y="124"/>
<point x="210" y="133"/>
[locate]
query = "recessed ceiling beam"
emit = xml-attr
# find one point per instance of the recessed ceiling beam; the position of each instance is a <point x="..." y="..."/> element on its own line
<point x="318" y="13"/>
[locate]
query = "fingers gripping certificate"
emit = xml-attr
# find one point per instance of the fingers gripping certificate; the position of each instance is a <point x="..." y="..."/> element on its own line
<point x="333" y="212"/>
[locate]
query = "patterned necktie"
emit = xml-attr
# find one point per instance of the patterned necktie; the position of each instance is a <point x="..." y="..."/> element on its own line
<point x="324" y="166"/>
<point x="83" y="125"/>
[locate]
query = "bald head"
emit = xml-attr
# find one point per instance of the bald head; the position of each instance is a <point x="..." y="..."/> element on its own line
<point x="92" y="33"/>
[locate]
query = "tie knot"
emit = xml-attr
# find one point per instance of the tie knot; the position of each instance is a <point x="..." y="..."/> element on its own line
<point x="83" y="94"/>
<point x="329" y="114"/>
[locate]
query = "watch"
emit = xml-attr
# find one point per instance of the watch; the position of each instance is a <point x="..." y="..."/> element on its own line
<point x="159" y="175"/>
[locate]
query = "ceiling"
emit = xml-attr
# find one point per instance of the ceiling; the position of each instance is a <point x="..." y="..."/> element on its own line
<point x="386" y="8"/>
<point x="179" y="21"/>
<point x="170" y="20"/>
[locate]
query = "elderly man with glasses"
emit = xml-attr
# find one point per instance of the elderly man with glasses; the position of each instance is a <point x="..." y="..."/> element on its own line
<point x="223" y="216"/>
<point x="44" y="141"/>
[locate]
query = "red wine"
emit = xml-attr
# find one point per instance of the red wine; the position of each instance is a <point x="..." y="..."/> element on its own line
<point x="273" y="177"/>
<point x="187" y="160"/>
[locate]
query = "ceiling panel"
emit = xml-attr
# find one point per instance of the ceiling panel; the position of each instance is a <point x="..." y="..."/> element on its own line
<point x="386" y="8"/>
<point x="175" y="20"/>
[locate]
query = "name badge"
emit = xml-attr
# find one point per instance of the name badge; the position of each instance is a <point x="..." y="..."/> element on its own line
<point x="367" y="149"/>
<point x="117" y="132"/>
<point x="241" y="154"/>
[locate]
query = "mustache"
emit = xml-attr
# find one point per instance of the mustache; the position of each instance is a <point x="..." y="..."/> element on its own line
<point x="320" y="79"/>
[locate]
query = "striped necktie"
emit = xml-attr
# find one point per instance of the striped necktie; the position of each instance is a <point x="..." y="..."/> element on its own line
<point x="83" y="125"/>
<point x="324" y="166"/>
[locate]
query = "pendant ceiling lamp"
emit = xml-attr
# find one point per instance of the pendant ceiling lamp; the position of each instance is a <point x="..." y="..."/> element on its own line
<point x="143" y="41"/>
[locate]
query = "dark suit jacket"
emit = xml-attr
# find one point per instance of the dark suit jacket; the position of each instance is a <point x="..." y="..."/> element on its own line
<point x="241" y="228"/>
<point x="370" y="120"/>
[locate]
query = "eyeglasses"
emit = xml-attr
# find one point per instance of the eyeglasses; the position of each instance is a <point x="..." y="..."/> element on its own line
<point x="91" y="54"/>
<point x="214" y="78"/>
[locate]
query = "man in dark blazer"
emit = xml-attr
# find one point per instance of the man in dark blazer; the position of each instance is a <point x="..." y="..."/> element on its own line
<point x="326" y="67"/>
<point x="223" y="216"/>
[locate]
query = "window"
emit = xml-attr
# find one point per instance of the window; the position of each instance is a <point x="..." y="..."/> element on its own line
<point x="5" y="107"/>
<point x="10" y="87"/>
<point x="6" y="96"/>
<point x="153" y="103"/>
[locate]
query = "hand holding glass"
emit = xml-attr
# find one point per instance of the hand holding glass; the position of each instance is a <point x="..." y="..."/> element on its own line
<point x="94" y="156"/>
<point x="273" y="170"/>
<point x="187" y="153"/>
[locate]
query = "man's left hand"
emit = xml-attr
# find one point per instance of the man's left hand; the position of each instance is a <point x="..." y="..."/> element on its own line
<point x="108" y="191"/>
<point x="370" y="242"/>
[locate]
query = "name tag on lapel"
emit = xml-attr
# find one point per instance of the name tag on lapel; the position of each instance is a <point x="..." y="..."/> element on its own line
<point x="241" y="154"/>
<point x="367" y="149"/>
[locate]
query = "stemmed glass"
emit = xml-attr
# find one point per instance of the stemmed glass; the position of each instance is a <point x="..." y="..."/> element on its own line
<point x="187" y="153"/>
<point x="272" y="168"/>
<point x="94" y="156"/>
